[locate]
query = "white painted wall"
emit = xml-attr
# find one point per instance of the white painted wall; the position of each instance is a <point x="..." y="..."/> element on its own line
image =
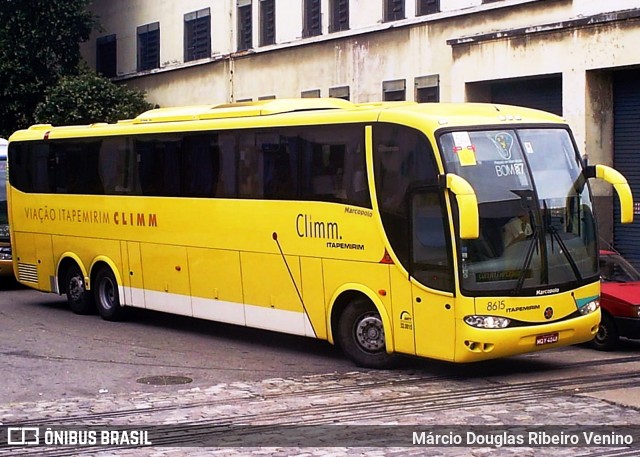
<point x="372" y="52"/>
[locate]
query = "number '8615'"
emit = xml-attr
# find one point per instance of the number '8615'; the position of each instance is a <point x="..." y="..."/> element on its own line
<point x="497" y="305"/>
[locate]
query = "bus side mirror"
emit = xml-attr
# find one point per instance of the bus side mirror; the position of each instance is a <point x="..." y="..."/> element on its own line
<point x="621" y="186"/>
<point x="467" y="206"/>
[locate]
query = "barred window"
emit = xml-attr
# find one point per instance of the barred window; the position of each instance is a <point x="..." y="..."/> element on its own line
<point x="339" y="15"/>
<point x="197" y="35"/>
<point x="393" y="10"/>
<point x="149" y="46"/>
<point x="427" y="7"/>
<point x="394" y="91"/>
<point x="245" y="29"/>
<point x="267" y="22"/>
<point x="106" y="56"/>
<point x="312" y="18"/>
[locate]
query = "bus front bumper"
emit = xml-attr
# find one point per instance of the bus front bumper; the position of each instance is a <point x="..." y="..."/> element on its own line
<point x="477" y="344"/>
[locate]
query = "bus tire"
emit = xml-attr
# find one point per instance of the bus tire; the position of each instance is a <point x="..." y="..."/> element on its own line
<point x="607" y="338"/>
<point x="79" y="298"/>
<point x="107" y="298"/>
<point x="361" y="335"/>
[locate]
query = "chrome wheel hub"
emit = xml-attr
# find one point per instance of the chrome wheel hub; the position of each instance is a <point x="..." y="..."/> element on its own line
<point x="370" y="333"/>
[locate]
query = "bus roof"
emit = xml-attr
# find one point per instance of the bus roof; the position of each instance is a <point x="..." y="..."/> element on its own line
<point x="305" y="111"/>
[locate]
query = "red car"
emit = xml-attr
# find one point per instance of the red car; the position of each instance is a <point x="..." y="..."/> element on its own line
<point x="619" y="301"/>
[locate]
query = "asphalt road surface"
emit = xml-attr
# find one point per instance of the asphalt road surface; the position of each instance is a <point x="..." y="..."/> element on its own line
<point x="185" y="374"/>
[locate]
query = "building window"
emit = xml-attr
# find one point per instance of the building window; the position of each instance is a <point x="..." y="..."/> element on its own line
<point x="339" y="15"/>
<point x="427" y="89"/>
<point x="245" y="29"/>
<point x="393" y="10"/>
<point x="149" y="46"/>
<point x="312" y="18"/>
<point x="197" y="35"/>
<point x="339" y="92"/>
<point x="312" y="93"/>
<point x="427" y="7"/>
<point x="394" y="91"/>
<point x="267" y="22"/>
<point x="106" y="56"/>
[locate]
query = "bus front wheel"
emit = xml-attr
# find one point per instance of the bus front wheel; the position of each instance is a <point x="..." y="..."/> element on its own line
<point x="79" y="298"/>
<point x="361" y="335"/>
<point x="107" y="298"/>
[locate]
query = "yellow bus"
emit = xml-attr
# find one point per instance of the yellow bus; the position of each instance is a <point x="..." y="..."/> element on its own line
<point x="6" y="265"/>
<point x="459" y="232"/>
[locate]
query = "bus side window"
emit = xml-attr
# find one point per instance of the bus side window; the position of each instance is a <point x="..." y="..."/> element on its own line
<point x="78" y="167"/>
<point x="280" y="172"/>
<point x="333" y="165"/>
<point x="201" y="157"/>
<point x="250" y="167"/>
<point x="326" y="169"/>
<point x="228" y="176"/>
<point x="159" y="165"/>
<point x="118" y="164"/>
<point x="42" y="178"/>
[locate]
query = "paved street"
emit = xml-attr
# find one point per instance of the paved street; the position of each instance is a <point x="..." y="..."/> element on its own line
<point x="331" y="409"/>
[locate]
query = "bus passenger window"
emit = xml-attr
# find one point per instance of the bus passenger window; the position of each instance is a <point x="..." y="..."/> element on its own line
<point x="201" y="158"/>
<point x="333" y="165"/>
<point x="39" y="168"/>
<point x="159" y="165"/>
<point x="227" y="179"/>
<point x="77" y="167"/>
<point x="118" y="166"/>
<point x="250" y="167"/>
<point x="279" y="172"/>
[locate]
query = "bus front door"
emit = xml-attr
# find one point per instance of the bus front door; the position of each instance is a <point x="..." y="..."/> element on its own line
<point x="431" y="275"/>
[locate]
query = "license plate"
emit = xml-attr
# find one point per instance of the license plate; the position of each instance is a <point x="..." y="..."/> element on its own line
<point x="548" y="338"/>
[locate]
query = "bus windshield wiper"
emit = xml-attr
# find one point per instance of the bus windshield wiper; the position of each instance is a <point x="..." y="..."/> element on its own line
<point x="551" y="230"/>
<point x="527" y="259"/>
<point x="563" y="249"/>
<point x="527" y="198"/>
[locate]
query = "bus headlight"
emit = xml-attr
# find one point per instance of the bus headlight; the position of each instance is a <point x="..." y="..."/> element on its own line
<point x="487" y="321"/>
<point x="590" y="307"/>
<point x="5" y="253"/>
<point x="635" y="311"/>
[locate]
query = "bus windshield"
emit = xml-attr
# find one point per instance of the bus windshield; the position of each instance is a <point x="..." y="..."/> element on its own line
<point x="537" y="230"/>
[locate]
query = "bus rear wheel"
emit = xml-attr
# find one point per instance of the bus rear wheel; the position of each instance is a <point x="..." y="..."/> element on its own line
<point x="79" y="298"/>
<point x="106" y="295"/>
<point x="361" y="335"/>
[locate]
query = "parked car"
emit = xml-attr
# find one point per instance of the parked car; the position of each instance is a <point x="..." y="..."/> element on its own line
<point x="619" y="301"/>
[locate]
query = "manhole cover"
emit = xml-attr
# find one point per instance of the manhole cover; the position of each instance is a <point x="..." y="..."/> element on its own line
<point x="164" y="380"/>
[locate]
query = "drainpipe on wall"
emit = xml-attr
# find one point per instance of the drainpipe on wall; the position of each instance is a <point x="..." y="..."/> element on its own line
<point x="231" y="70"/>
<point x="231" y="62"/>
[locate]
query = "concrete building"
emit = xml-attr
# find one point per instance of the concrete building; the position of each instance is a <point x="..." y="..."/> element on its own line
<point x="576" y="58"/>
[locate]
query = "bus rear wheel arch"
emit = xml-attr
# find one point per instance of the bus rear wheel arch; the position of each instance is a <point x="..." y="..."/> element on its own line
<point x="106" y="294"/>
<point x="361" y="335"/>
<point x="80" y="299"/>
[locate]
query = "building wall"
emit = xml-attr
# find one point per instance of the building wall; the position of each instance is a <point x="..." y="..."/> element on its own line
<point x="468" y="45"/>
